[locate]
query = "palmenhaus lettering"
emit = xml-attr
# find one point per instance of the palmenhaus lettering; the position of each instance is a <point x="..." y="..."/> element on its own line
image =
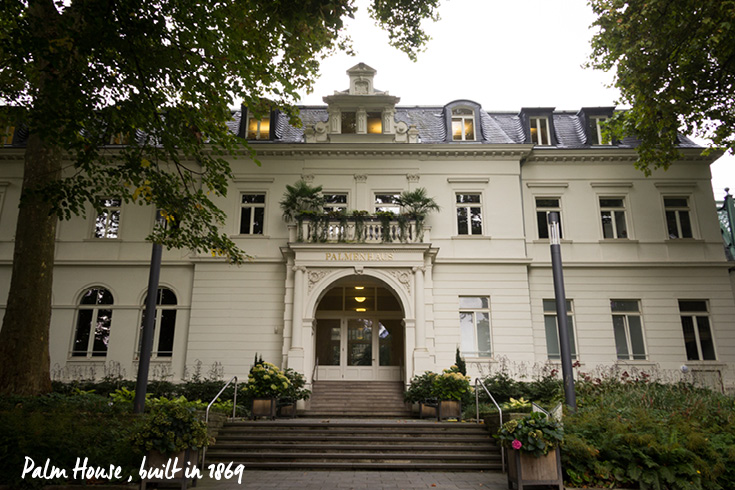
<point x="380" y="297"/>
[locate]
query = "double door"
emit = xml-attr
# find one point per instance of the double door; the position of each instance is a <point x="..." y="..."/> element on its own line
<point x="364" y="348"/>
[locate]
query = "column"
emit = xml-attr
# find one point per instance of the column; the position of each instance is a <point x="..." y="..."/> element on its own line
<point x="418" y="276"/>
<point x="296" y="353"/>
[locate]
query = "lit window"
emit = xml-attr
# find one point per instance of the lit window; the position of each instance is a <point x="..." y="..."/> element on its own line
<point x="463" y="124"/>
<point x="469" y="214"/>
<point x="164" y="326"/>
<point x="612" y="214"/>
<point x="120" y="139"/>
<point x="628" y="329"/>
<point x="597" y="136"/>
<point x="374" y="123"/>
<point x="335" y="202"/>
<point x="349" y="123"/>
<point x="387" y="203"/>
<point x="474" y="326"/>
<point x="539" y="131"/>
<point x="552" y="330"/>
<point x="678" y="223"/>
<point x="544" y="206"/>
<point x="259" y="129"/>
<point x="107" y="222"/>
<point x="94" y="318"/>
<point x="6" y="137"/>
<point x="252" y="214"/>
<point x="700" y="345"/>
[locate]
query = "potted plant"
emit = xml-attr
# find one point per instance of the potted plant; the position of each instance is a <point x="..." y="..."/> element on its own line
<point x="295" y="392"/>
<point x="450" y="388"/>
<point x="421" y="391"/>
<point x="534" y="443"/>
<point x="266" y="383"/>
<point x="172" y="429"/>
<point x="416" y="204"/>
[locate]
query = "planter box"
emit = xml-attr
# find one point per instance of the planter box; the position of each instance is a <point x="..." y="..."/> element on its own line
<point x="427" y="411"/>
<point x="264" y="407"/>
<point x="287" y="411"/>
<point x="450" y="409"/>
<point x="526" y="469"/>
<point x="492" y="422"/>
<point x="155" y="459"/>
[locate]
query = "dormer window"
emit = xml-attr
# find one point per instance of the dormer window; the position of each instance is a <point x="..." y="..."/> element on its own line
<point x="597" y="138"/>
<point x="374" y="123"/>
<point x="463" y="124"/>
<point x="539" y="131"/>
<point x="258" y="129"/>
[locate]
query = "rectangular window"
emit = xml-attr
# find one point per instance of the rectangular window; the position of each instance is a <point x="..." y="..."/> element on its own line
<point x="107" y="222"/>
<point x="349" y="123"/>
<point x="678" y="223"/>
<point x="612" y="214"/>
<point x="374" y="123"/>
<point x="387" y="203"/>
<point x="552" y="330"/>
<point x="539" y="131"/>
<point x="6" y="137"/>
<point x="335" y="202"/>
<point x="598" y="138"/>
<point x="474" y="325"/>
<point x="259" y="129"/>
<point x="252" y="214"/>
<point x="469" y="214"/>
<point x="700" y="345"/>
<point x="463" y="124"/>
<point x="545" y="205"/>
<point x="628" y="329"/>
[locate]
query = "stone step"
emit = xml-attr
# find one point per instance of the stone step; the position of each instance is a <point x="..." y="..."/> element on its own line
<point x="380" y="466"/>
<point x="381" y="447"/>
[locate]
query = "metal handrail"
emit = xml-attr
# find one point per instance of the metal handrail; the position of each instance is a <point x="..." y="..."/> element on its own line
<point x="500" y="413"/>
<point x="538" y="408"/>
<point x="206" y="414"/>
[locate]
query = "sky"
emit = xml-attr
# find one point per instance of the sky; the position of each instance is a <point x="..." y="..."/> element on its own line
<point x="501" y="54"/>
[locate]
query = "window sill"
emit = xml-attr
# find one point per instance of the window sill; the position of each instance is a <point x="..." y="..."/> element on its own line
<point x="102" y="240"/>
<point x="618" y="240"/>
<point x="85" y="359"/>
<point x="684" y="240"/>
<point x="546" y="241"/>
<point x="705" y="364"/>
<point x="471" y="237"/>
<point x="258" y="237"/>
<point x="635" y="362"/>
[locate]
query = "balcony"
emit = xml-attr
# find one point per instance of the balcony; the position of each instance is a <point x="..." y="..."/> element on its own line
<point x="358" y="229"/>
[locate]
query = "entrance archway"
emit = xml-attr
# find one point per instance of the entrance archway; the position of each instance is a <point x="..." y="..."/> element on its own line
<point x="360" y="332"/>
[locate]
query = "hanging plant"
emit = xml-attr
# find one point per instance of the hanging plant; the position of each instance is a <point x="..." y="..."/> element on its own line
<point x="359" y="217"/>
<point x="385" y="218"/>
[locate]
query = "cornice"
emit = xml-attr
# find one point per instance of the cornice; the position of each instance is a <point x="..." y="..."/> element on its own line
<point x="607" y="155"/>
<point x="396" y="150"/>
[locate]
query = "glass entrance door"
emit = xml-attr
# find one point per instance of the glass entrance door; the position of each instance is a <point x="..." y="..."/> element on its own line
<point x="364" y="348"/>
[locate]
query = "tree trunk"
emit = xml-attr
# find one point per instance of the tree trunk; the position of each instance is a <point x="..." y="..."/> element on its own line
<point x="24" y="338"/>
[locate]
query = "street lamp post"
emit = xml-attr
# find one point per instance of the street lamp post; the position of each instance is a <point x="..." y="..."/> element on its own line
<point x="561" y="311"/>
<point x="146" y="347"/>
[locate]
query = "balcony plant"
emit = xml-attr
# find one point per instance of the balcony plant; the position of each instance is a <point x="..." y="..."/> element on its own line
<point x="534" y="441"/>
<point x="416" y="204"/>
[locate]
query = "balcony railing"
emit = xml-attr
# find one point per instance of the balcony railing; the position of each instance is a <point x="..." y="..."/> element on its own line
<point x="363" y="229"/>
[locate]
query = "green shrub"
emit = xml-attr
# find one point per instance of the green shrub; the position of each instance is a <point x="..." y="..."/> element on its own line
<point x="170" y="427"/>
<point x="630" y="433"/>
<point x="421" y="388"/>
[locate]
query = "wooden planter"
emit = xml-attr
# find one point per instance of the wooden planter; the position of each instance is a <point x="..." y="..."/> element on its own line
<point x="157" y="460"/>
<point x="264" y="407"/>
<point x="287" y="410"/>
<point x="525" y="469"/>
<point x="450" y="409"/>
<point x="428" y="410"/>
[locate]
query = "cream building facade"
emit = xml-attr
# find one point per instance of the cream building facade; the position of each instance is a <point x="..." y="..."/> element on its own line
<point x="646" y="276"/>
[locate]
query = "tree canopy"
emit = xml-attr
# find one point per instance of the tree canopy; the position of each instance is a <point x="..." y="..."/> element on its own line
<point x="157" y="79"/>
<point x="674" y="63"/>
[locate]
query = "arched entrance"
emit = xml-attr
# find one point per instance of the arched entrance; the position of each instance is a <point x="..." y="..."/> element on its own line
<point x="360" y="332"/>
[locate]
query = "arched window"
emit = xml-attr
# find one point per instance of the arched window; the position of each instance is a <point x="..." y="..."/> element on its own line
<point x="94" y="318"/>
<point x="463" y="124"/>
<point x="164" y="326"/>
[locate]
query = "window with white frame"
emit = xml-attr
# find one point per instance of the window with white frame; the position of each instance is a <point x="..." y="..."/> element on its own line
<point x="474" y="325"/>
<point x="540" y="134"/>
<point x="252" y="214"/>
<point x="552" y="330"/>
<point x="164" y="326"/>
<point x="94" y="319"/>
<point x="628" y="329"/>
<point x="107" y="221"/>
<point x="387" y="203"/>
<point x="334" y="202"/>
<point x="469" y="214"/>
<point x="598" y="138"/>
<point x="463" y="124"/>
<point x="678" y="222"/>
<point x="544" y="206"/>
<point x="349" y="122"/>
<point x="612" y="214"/>
<point x="259" y="129"/>
<point x="698" y="341"/>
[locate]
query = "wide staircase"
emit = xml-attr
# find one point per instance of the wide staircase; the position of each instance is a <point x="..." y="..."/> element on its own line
<point x="374" y="399"/>
<point x="349" y="444"/>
